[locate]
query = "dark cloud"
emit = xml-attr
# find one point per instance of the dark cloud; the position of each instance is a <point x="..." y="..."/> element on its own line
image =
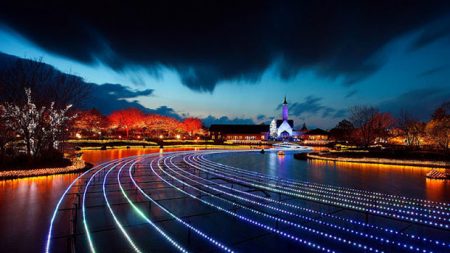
<point x="260" y="117"/>
<point x="211" y="41"/>
<point x="110" y="97"/>
<point x="420" y="102"/>
<point x="433" y="32"/>
<point x="107" y="100"/>
<point x="340" y="114"/>
<point x="351" y="93"/>
<point x="167" y="111"/>
<point x="105" y="97"/>
<point x="226" y="120"/>
<point x="313" y="106"/>
<point x="432" y="71"/>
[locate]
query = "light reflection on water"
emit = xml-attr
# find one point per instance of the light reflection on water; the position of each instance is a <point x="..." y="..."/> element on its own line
<point x="401" y="180"/>
<point x="26" y="204"/>
<point x="25" y="208"/>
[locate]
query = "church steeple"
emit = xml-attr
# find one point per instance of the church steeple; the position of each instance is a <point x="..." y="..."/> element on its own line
<point x="285" y="109"/>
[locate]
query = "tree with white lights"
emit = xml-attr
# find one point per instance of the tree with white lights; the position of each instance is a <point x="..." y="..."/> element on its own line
<point x="40" y="128"/>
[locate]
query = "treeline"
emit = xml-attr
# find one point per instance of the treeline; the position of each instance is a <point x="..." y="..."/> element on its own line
<point x="133" y="123"/>
<point x="368" y="126"/>
<point x="38" y="111"/>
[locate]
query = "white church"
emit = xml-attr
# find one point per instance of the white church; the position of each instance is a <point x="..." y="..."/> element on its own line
<point x="282" y="129"/>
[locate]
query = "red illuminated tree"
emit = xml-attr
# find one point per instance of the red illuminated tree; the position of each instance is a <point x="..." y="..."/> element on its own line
<point x="192" y="125"/>
<point x="127" y="119"/>
<point x="370" y="125"/>
<point x="90" y="122"/>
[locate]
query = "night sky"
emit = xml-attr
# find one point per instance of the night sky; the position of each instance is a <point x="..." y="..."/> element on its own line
<point x="234" y="61"/>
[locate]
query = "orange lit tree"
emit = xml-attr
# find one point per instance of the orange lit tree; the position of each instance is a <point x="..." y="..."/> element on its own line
<point x="192" y="126"/>
<point x="90" y="123"/>
<point x="127" y="119"/>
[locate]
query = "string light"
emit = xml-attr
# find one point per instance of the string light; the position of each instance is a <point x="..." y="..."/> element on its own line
<point x="410" y="209"/>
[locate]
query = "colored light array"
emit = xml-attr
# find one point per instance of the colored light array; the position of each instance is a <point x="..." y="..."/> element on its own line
<point x="363" y="194"/>
<point x="400" y="199"/>
<point x="354" y="199"/>
<point x="361" y="234"/>
<point x="142" y="215"/>
<point x="357" y="205"/>
<point x="244" y="218"/>
<point x="308" y="229"/>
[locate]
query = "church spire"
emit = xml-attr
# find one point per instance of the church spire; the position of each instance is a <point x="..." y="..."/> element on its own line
<point x="285" y="109"/>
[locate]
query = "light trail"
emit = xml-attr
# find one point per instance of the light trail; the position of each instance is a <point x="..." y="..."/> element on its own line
<point x="228" y="189"/>
<point x="251" y="221"/>
<point x="52" y="220"/>
<point x="116" y="220"/>
<point x="215" y="242"/>
<point x="331" y="200"/>
<point x="352" y="193"/>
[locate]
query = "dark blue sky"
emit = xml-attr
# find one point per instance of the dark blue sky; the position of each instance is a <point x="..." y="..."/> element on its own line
<point x="236" y="61"/>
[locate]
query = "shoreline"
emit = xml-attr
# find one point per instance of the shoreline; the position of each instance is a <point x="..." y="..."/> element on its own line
<point x="386" y="161"/>
<point x="79" y="165"/>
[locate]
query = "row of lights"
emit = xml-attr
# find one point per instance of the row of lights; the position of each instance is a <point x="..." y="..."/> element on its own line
<point x="277" y="219"/>
<point x="362" y="195"/>
<point x="354" y="222"/>
<point x="210" y="239"/>
<point x="365" y="235"/>
<point x="400" y="199"/>
<point x="347" y="197"/>
<point x="358" y="205"/>
<point x="242" y="217"/>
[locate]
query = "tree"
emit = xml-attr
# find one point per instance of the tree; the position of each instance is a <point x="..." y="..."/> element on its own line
<point x="411" y="129"/>
<point x="438" y="128"/>
<point x="127" y="119"/>
<point x="192" y="125"/>
<point x="7" y="134"/>
<point x="39" y="127"/>
<point x="90" y="122"/>
<point x="343" y="131"/>
<point x="370" y="124"/>
<point x="46" y="83"/>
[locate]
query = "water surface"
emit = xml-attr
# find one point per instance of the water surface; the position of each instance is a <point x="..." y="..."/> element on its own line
<point x="27" y="204"/>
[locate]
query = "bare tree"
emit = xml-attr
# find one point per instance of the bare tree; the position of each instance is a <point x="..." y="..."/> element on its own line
<point x="412" y="129"/>
<point x="47" y="84"/>
<point x="370" y="124"/>
<point x="438" y="128"/>
<point x="361" y="116"/>
<point x="39" y="127"/>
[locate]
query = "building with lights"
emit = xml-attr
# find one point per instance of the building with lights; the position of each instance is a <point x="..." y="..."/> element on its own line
<point x="239" y="133"/>
<point x="279" y="129"/>
<point x="283" y="129"/>
<point x="316" y="137"/>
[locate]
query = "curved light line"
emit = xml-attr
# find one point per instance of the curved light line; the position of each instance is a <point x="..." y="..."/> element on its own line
<point x="210" y="239"/>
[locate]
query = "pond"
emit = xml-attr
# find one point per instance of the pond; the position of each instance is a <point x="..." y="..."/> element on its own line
<point x="27" y="204"/>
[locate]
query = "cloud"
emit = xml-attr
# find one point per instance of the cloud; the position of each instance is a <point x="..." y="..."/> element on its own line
<point x="312" y="106"/>
<point x="351" y="93"/>
<point x="104" y="97"/>
<point x="432" y="71"/>
<point x="210" y="42"/>
<point x="110" y="97"/>
<point x="226" y="120"/>
<point x="340" y="114"/>
<point x="420" y="102"/>
<point x="432" y="32"/>
<point x="167" y="111"/>
<point x="260" y="117"/>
